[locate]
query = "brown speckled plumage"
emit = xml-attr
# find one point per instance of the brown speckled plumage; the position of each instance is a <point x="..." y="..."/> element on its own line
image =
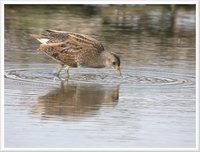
<point x="74" y="49"/>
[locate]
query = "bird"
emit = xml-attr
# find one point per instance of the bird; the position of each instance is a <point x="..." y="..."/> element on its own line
<point x="70" y="49"/>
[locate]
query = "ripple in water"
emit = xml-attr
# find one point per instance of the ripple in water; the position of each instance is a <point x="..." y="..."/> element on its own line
<point x="136" y="77"/>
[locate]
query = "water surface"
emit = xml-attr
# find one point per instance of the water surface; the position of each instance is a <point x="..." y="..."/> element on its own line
<point x="152" y="105"/>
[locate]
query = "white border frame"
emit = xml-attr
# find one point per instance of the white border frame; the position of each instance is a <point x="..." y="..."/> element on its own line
<point x="2" y="74"/>
<point x="3" y="2"/>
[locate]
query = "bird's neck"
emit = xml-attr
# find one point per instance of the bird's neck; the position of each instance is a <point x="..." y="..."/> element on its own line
<point x="103" y="58"/>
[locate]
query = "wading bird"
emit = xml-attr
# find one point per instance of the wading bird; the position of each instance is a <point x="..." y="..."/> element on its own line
<point x="73" y="49"/>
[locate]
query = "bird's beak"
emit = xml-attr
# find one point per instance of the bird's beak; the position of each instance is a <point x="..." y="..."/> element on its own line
<point x="118" y="70"/>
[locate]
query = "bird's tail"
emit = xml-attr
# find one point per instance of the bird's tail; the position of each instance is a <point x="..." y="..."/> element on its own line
<point x="40" y="38"/>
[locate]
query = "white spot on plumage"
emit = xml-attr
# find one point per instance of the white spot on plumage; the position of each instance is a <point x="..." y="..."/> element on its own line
<point x="43" y="40"/>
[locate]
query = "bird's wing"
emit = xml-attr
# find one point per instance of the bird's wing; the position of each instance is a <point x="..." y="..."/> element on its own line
<point x="60" y="53"/>
<point x="70" y="48"/>
<point x="70" y="38"/>
<point x="81" y="39"/>
<point x="51" y="36"/>
<point x="73" y="52"/>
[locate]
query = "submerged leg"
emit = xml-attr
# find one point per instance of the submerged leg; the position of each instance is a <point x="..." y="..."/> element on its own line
<point x="58" y="70"/>
<point x="67" y="72"/>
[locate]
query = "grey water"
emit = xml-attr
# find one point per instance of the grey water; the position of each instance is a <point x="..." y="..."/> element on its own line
<point x="151" y="106"/>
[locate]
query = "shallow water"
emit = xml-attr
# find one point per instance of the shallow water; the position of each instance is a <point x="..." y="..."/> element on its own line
<point x="151" y="105"/>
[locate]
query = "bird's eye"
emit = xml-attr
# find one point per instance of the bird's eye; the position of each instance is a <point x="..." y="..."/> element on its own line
<point x="114" y="63"/>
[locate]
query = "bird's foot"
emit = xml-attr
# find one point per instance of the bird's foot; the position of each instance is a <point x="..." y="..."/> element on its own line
<point x="57" y="72"/>
<point x="67" y="76"/>
<point x="67" y="73"/>
<point x="56" y="77"/>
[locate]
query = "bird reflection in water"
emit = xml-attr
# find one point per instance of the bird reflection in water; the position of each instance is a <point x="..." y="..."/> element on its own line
<point x="74" y="100"/>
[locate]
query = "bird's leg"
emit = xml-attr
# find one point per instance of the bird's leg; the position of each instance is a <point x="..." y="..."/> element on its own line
<point x="58" y="70"/>
<point x="67" y="72"/>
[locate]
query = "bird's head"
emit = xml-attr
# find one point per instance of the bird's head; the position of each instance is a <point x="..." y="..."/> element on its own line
<point x="112" y="60"/>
